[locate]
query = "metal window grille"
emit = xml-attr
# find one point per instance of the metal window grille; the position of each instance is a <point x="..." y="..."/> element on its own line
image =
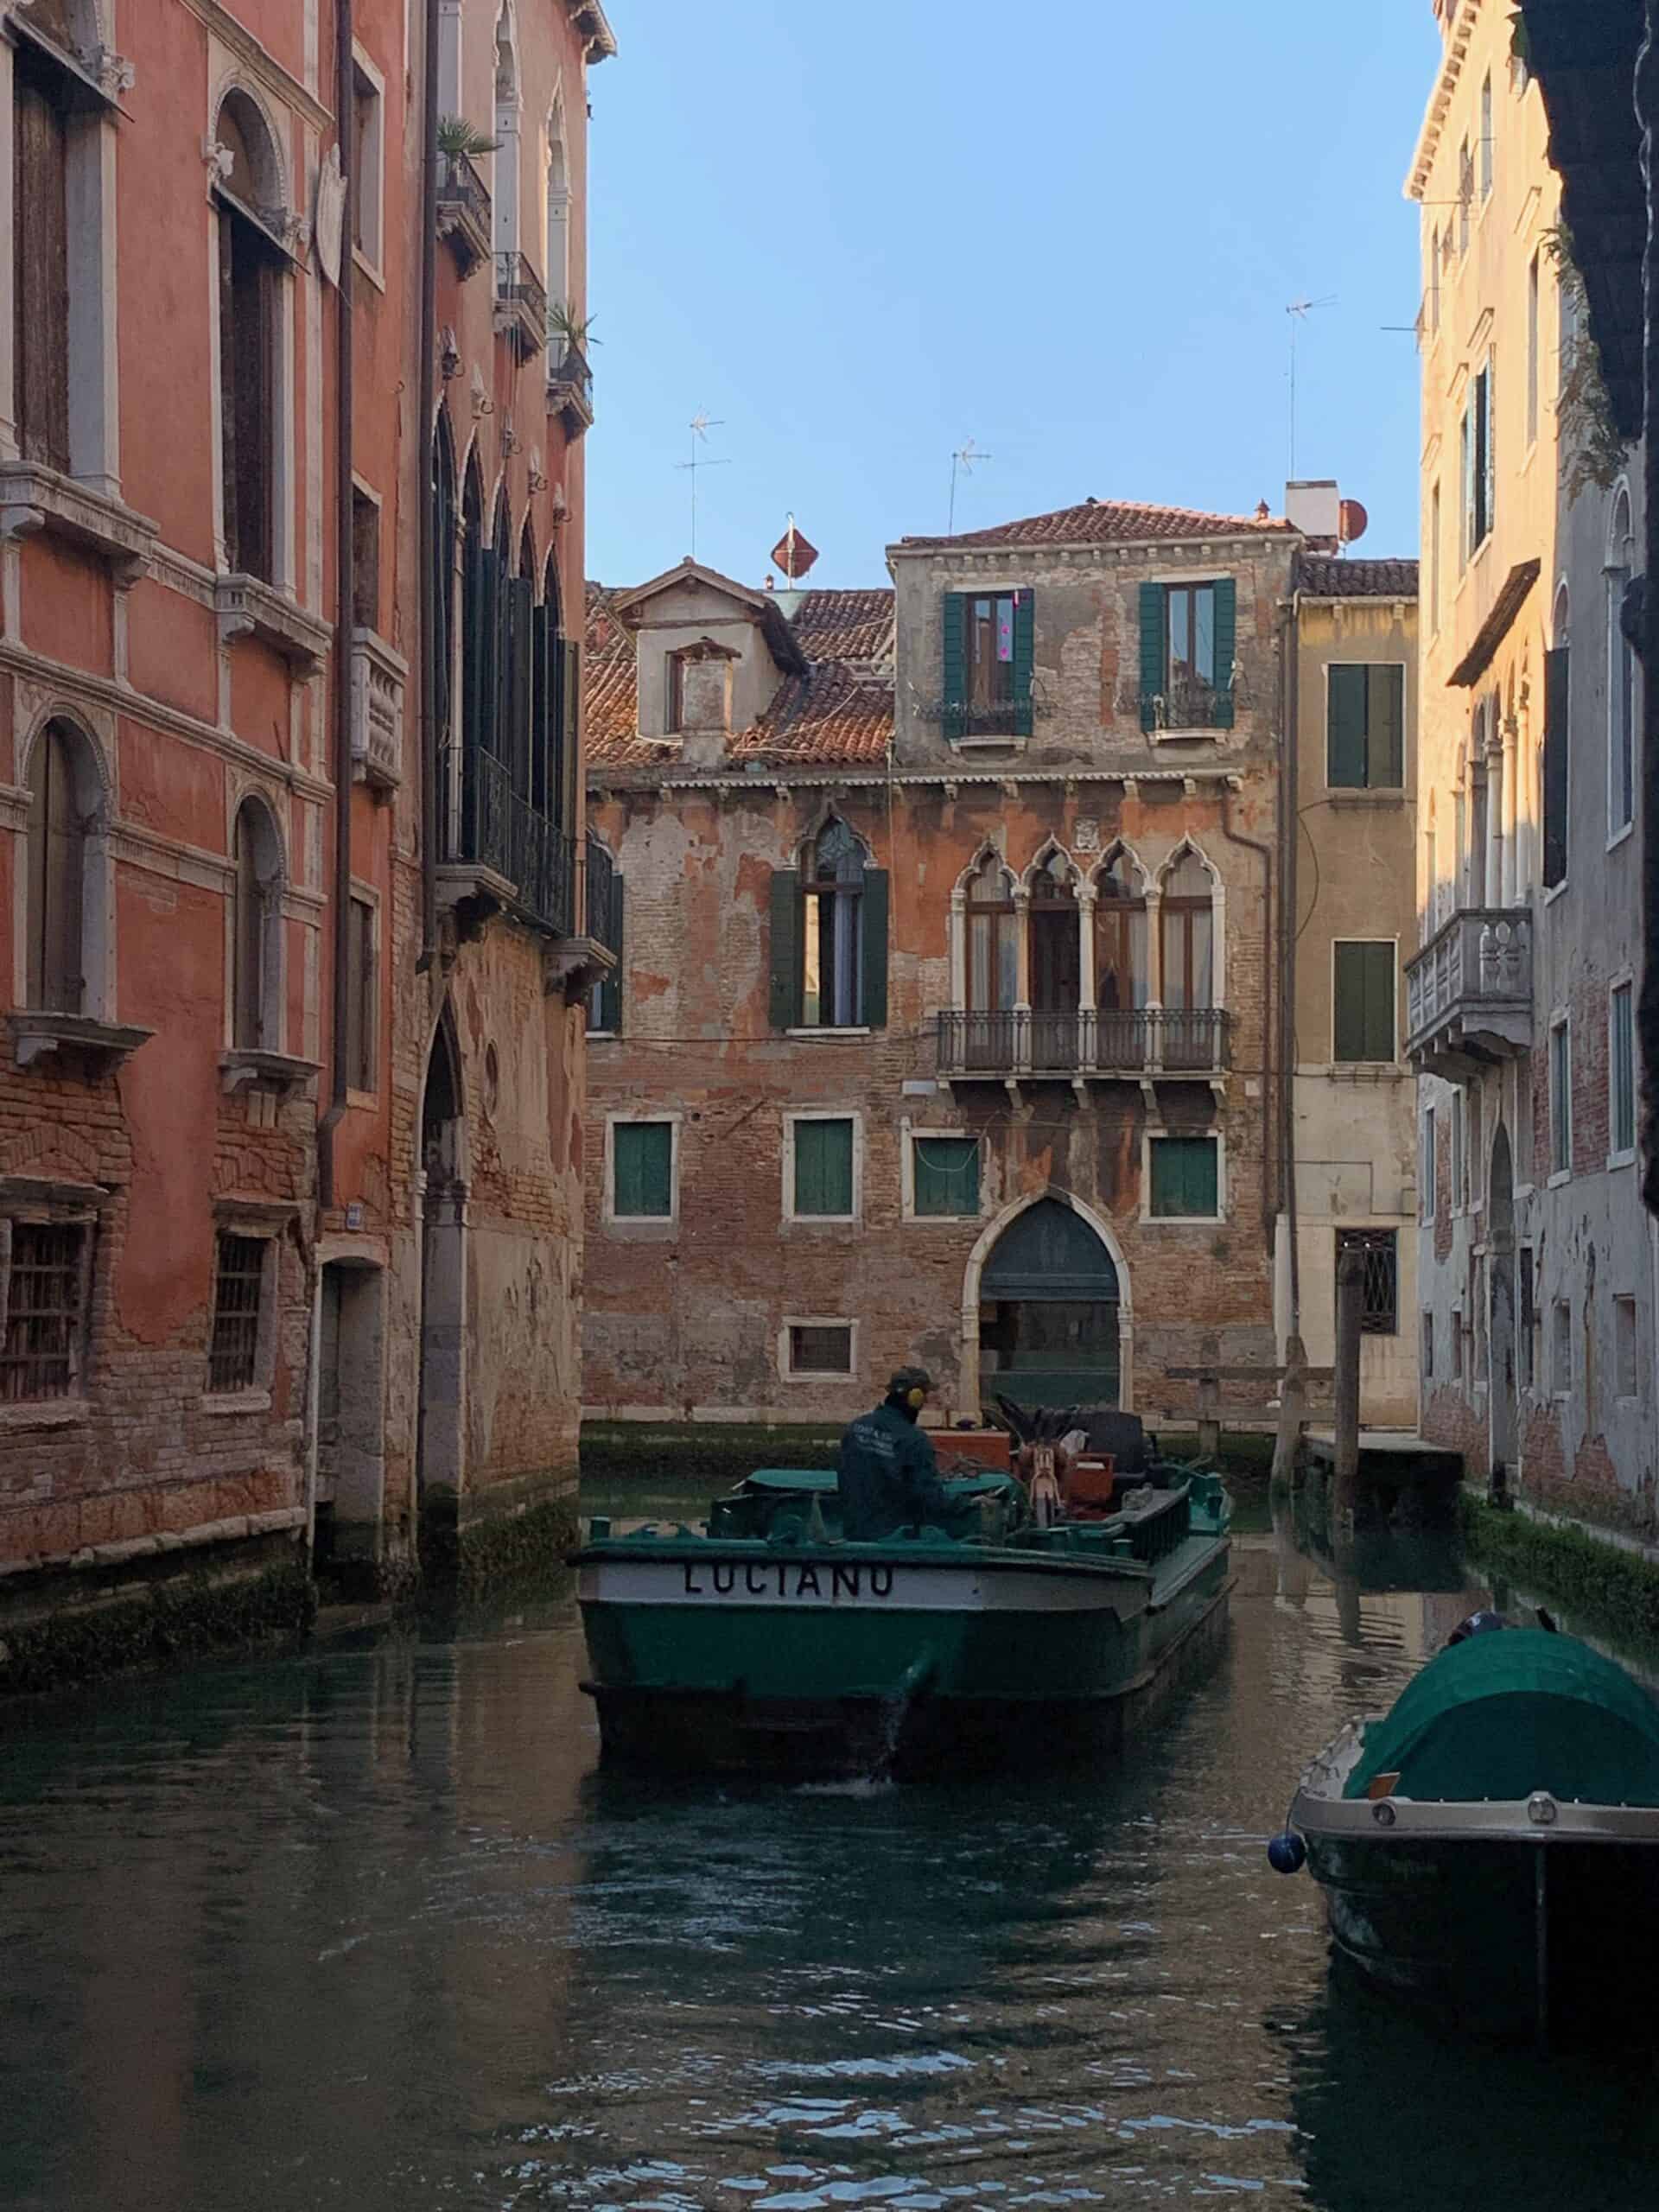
<point x="820" y="1347"/>
<point x="44" y="1293"/>
<point x="1380" y="1299"/>
<point x="239" y="1287"/>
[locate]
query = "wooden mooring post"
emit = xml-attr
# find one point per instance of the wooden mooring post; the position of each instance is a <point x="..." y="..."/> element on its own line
<point x="1293" y="1381"/>
<point x="1293" y="1413"/>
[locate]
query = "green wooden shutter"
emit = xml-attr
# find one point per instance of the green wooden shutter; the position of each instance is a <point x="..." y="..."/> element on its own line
<point x="1364" y="1028"/>
<point x="1024" y="646"/>
<point x="785" y="1004"/>
<point x="953" y="670"/>
<point x="823" y="1168"/>
<point x="1557" y="693"/>
<point x="643" y="1155"/>
<point x="1226" y="646"/>
<point x="569" y="732"/>
<point x="1379" y="966"/>
<point x="1344" y="730"/>
<point x="1153" y="650"/>
<point x="1184" y="1178"/>
<point x="944" y="1174"/>
<point x="607" y="994"/>
<point x="1386" y="722"/>
<point x="873" y="995"/>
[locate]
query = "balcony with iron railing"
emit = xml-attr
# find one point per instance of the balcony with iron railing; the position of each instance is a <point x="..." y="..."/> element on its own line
<point x="496" y="850"/>
<point x="1469" y="992"/>
<point x="570" y="383"/>
<point x="604" y="908"/>
<point x="1104" y="1044"/>
<point x="520" y="302"/>
<point x="463" y="210"/>
<point x="1187" y="706"/>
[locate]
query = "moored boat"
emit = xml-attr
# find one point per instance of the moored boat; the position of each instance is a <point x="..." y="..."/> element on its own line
<point x="1490" y="1848"/>
<point x="765" y="1644"/>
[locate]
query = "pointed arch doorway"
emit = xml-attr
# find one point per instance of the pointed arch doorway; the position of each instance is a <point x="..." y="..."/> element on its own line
<point x="440" y="1452"/>
<point x="1047" y="1303"/>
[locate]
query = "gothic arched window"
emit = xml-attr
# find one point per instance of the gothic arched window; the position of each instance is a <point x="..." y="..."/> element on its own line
<point x="833" y="934"/>
<point x="1188" y="932"/>
<point x="1120" y="983"/>
<point x="255" y="962"/>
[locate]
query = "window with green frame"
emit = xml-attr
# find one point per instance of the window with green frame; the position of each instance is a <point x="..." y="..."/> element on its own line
<point x="823" y="1169"/>
<point x="1363" y="1015"/>
<point x="642" y="1166"/>
<point x="945" y="1175"/>
<point x="1365" y="726"/>
<point x="1186" y="1178"/>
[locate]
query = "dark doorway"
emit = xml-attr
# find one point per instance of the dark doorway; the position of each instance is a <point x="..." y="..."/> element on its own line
<point x="1049" y="1312"/>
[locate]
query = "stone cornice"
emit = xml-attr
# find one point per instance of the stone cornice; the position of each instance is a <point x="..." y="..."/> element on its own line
<point x="780" y="782"/>
<point x="1458" y="41"/>
<point x="1112" y="553"/>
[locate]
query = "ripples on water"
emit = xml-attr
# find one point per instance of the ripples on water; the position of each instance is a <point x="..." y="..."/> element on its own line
<point x="369" y="1929"/>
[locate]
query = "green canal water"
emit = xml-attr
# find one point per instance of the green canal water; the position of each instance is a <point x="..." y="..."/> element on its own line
<point x="368" y="1928"/>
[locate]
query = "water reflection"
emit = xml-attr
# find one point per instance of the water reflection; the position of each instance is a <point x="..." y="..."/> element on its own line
<point x="370" y="1929"/>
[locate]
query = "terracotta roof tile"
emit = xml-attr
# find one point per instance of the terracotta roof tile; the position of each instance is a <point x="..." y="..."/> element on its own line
<point x="839" y="711"/>
<point x="1322" y="577"/>
<point x="1108" y="522"/>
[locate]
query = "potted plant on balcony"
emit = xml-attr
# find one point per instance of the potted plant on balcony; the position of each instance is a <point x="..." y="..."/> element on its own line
<point x="458" y="136"/>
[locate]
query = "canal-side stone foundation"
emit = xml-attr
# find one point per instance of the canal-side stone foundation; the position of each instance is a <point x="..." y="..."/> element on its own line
<point x="1602" y="1580"/>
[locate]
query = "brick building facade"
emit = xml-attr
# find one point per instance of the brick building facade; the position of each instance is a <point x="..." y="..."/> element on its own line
<point x="943" y="1029"/>
<point x="217" y="1332"/>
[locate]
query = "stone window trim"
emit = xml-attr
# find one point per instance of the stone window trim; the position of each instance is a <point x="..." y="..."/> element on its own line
<point x="1341" y="1066"/>
<point x="78" y="1205"/>
<point x="1622" y="980"/>
<point x="792" y="1119"/>
<point x="368" y="192"/>
<point x="911" y="1134"/>
<point x="641" y="1227"/>
<point x="367" y="894"/>
<point x="88" y="500"/>
<point x="1372" y="793"/>
<point x="1559" y="1093"/>
<point x="789" y="1373"/>
<point x="266" y="1221"/>
<point x="1151" y="1129"/>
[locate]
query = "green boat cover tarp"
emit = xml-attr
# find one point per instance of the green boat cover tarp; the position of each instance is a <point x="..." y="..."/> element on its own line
<point x="1501" y="1715"/>
<point x="804" y="1481"/>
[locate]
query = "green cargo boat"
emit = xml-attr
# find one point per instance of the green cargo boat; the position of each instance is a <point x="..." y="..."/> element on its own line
<point x="1489" y="1849"/>
<point x="765" y="1645"/>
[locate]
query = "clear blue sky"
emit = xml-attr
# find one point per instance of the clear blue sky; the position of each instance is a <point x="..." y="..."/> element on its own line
<point x="1068" y="230"/>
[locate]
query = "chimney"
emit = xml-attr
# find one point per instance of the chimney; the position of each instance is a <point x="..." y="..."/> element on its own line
<point x="1313" y="505"/>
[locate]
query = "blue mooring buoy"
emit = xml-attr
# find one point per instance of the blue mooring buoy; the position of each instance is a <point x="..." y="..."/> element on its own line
<point x="1287" y="1853"/>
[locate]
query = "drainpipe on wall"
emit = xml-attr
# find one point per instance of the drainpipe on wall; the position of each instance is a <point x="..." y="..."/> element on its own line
<point x="1291" y="821"/>
<point x="1260" y="845"/>
<point x="428" y="404"/>
<point x="328" y="1130"/>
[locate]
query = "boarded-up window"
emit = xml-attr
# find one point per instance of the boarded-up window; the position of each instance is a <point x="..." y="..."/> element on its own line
<point x="1364" y="1018"/>
<point x="1186" y="1177"/>
<point x="43" y="1300"/>
<point x="820" y="1347"/>
<point x="823" y="1169"/>
<point x="247" y="298"/>
<point x="41" y="264"/>
<point x="362" y="996"/>
<point x="1365" y="728"/>
<point x="57" y="876"/>
<point x="239" y="1292"/>
<point x="642" y="1156"/>
<point x="945" y="1172"/>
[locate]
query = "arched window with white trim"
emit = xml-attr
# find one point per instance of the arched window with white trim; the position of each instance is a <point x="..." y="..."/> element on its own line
<point x="1186" y="920"/>
<point x="507" y="240"/>
<point x="832" y="944"/>
<point x="256" y="930"/>
<point x="1621" y="676"/>
<point x="993" y="966"/>
<point x="251" y="277"/>
<point x="56" y="846"/>
<point x="1121" y="982"/>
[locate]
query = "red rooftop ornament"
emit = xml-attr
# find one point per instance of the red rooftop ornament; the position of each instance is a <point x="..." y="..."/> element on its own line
<point x="793" y="553"/>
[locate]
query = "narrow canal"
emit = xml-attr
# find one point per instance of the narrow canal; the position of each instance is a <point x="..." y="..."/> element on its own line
<point x="369" y="1928"/>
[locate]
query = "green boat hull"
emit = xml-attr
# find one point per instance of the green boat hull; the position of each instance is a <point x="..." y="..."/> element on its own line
<point x="810" y="1659"/>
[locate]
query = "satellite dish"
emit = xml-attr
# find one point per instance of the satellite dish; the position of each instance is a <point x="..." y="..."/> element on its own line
<point x="1352" y="521"/>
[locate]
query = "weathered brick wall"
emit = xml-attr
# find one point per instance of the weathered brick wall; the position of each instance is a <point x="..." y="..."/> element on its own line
<point x="686" y="1316"/>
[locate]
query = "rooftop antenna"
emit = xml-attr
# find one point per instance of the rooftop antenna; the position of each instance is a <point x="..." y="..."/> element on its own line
<point x="962" y="463"/>
<point x="700" y="426"/>
<point x="1298" y="311"/>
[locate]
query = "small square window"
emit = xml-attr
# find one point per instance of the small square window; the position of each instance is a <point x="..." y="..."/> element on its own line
<point x="238" y="1302"/>
<point x="642" y="1156"/>
<point x="823" y="1170"/>
<point x="1624" y="1359"/>
<point x="820" y="1347"/>
<point x="945" y="1175"/>
<point x="1560" y="1380"/>
<point x="42" y="1301"/>
<point x="1186" y="1178"/>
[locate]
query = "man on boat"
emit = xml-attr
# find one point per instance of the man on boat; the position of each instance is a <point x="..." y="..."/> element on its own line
<point x="887" y="1477"/>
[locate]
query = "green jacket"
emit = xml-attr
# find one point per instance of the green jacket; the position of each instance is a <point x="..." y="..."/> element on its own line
<point x="887" y="1477"/>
